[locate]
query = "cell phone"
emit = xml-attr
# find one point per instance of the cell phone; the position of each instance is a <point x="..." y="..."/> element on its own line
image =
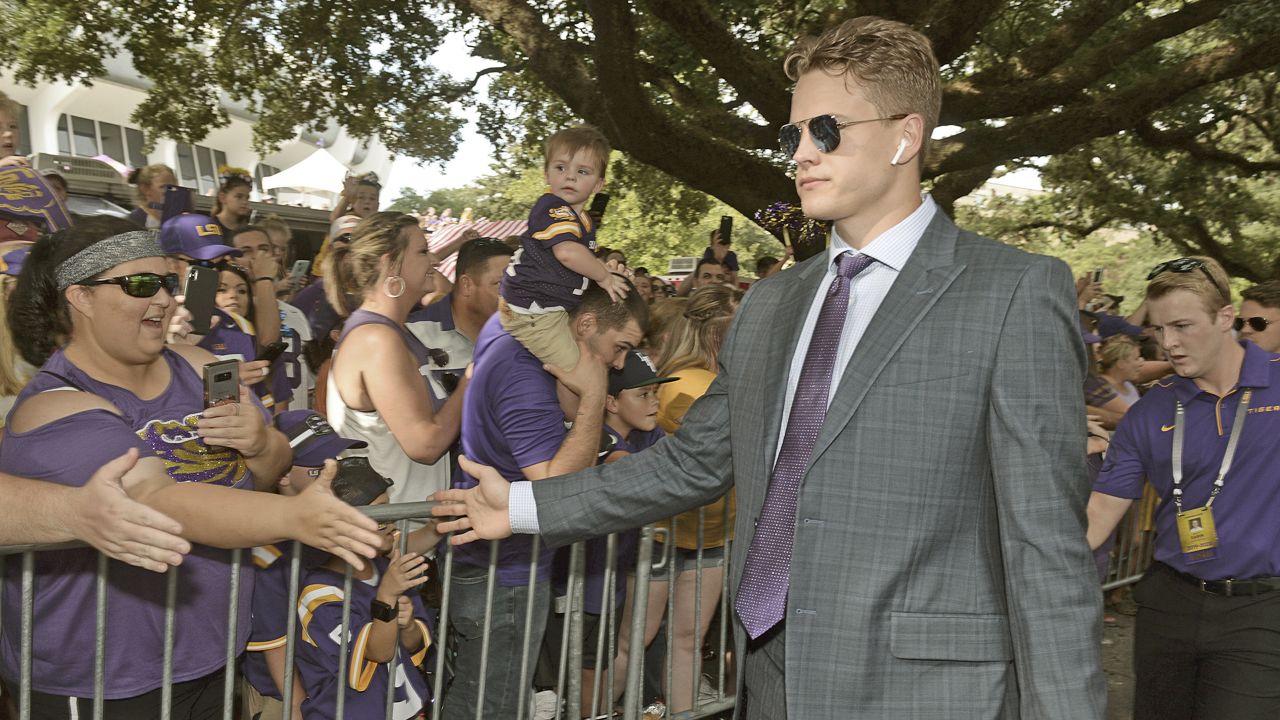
<point x="177" y="201"/>
<point x="598" y="204"/>
<point x="726" y="229"/>
<point x="299" y="270"/>
<point x="221" y="382"/>
<point x="272" y="351"/>
<point x="201" y="295"/>
<point x="1096" y="277"/>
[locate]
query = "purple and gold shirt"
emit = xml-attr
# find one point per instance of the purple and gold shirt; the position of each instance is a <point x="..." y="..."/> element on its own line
<point x="535" y="281"/>
<point x="1246" y="510"/>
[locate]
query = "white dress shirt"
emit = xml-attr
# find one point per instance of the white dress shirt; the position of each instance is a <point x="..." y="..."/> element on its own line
<point x="891" y="249"/>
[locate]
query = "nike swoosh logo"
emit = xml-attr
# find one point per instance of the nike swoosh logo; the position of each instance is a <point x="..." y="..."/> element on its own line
<point x="1166" y="428"/>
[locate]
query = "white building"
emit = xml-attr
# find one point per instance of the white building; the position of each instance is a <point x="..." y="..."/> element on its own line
<point x="79" y="121"/>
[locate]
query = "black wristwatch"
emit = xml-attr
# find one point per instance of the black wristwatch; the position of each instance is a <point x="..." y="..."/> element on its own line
<point x="382" y="612"/>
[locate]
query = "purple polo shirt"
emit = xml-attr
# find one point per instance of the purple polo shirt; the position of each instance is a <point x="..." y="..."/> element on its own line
<point x="510" y="420"/>
<point x="1246" y="510"/>
<point x="535" y="279"/>
<point x="597" y="550"/>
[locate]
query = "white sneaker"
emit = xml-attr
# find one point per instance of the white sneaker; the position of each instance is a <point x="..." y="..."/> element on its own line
<point x="545" y="703"/>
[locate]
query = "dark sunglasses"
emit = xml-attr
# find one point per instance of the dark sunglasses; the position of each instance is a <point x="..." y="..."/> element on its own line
<point x="1257" y="324"/>
<point x="1186" y="265"/>
<point x="824" y="129"/>
<point x="140" y="285"/>
<point x="220" y="265"/>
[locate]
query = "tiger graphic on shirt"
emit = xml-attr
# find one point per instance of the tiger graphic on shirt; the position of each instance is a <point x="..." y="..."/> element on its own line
<point x="186" y="456"/>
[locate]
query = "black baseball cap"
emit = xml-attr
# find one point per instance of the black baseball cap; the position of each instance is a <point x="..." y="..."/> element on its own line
<point x="637" y="372"/>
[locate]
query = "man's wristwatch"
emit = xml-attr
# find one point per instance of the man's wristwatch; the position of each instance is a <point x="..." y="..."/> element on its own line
<point x="382" y="612"/>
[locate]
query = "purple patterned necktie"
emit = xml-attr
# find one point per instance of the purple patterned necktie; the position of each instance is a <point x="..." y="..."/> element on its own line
<point x="762" y="595"/>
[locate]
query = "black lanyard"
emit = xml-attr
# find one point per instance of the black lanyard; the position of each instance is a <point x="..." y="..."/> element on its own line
<point x="1179" y="430"/>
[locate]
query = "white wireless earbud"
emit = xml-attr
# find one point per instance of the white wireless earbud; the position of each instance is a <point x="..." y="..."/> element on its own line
<point x="902" y="146"/>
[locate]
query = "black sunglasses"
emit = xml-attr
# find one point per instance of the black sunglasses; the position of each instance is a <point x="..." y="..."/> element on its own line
<point x="219" y="265"/>
<point x="1257" y="324"/>
<point x="1186" y="265"/>
<point x="140" y="285"/>
<point x="824" y="129"/>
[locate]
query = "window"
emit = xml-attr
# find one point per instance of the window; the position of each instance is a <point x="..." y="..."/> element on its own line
<point x="64" y="136"/>
<point x="112" y="141"/>
<point x="136" y="143"/>
<point x="24" y="133"/>
<point x="187" y="166"/>
<point x="219" y="159"/>
<point x="263" y="170"/>
<point x="84" y="137"/>
<point x="87" y="138"/>
<point x="208" y="173"/>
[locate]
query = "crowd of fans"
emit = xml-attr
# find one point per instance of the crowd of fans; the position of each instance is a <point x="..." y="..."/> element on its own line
<point x="543" y="355"/>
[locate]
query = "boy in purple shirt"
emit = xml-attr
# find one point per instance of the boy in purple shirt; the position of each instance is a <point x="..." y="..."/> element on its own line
<point x="549" y="273"/>
<point x="313" y="442"/>
<point x="388" y="623"/>
<point x="1208" y="626"/>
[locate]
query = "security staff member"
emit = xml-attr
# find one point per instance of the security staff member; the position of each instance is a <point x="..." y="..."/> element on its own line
<point x="1208" y="626"/>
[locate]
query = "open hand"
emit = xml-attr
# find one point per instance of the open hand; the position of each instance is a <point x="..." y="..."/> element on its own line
<point x="321" y="520"/>
<point x="481" y="512"/>
<point x="104" y="516"/>
<point x="404" y="573"/>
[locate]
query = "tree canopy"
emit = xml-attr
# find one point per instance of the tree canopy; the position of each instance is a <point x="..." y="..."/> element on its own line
<point x="1164" y="94"/>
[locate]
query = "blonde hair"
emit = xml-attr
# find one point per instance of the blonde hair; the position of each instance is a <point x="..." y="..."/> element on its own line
<point x="695" y="336"/>
<point x="273" y="224"/>
<point x="573" y="139"/>
<point x="1209" y="281"/>
<point x="351" y="269"/>
<point x="891" y="62"/>
<point x="147" y="176"/>
<point x="1114" y="350"/>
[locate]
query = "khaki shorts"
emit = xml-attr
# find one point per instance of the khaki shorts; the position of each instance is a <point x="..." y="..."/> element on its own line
<point x="255" y="706"/>
<point x="546" y="335"/>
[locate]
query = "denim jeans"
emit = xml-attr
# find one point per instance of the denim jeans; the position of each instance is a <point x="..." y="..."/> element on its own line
<point x="502" y="690"/>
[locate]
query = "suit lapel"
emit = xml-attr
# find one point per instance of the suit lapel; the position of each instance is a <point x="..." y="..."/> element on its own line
<point x="788" y="319"/>
<point x="923" y="279"/>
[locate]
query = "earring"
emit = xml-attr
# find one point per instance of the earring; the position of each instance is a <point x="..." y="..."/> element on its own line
<point x="386" y="287"/>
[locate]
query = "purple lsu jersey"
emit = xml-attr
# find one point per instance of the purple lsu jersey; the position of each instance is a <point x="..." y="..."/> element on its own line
<point x="535" y="280"/>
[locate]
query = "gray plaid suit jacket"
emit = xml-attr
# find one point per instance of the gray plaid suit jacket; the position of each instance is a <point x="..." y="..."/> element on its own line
<point x="940" y="567"/>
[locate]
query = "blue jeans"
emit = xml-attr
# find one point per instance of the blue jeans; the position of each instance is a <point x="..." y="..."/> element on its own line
<point x="502" y="690"/>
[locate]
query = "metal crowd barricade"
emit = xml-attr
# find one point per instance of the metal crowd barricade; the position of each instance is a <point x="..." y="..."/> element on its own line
<point x="713" y="702"/>
<point x="1134" y="542"/>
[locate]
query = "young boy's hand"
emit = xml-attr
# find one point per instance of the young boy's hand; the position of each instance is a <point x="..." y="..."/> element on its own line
<point x="616" y="286"/>
<point x="405" y="616"/>
<point x="403" y="573"/>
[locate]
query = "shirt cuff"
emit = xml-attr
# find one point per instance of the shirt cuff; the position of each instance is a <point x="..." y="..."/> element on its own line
<point x="522" y="509"/>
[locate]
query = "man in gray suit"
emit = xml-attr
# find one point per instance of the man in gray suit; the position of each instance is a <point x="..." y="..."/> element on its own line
<point x="905" y="410"/>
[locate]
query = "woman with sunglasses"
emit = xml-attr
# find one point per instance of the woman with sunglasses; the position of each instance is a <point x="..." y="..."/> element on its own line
<point x="94" y="302"/>
<point x="375" y="391"/>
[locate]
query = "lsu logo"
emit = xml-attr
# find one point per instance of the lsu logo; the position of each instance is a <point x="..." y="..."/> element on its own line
<point x="207" y="230"/>
<point x="561" y="213"/>
<point x="186" y="456"/>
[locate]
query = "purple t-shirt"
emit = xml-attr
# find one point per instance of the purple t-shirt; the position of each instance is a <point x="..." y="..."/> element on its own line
<point x="232" y="338"/>
<point x="1246" y="509"/>
<point x="597" y="550"/>
<point x="364" y="681"/>
<point x="511" y="419"/>
<point x="535" y="278"/>
<point x="68" y="451"/>
<point x="268" y="627"/>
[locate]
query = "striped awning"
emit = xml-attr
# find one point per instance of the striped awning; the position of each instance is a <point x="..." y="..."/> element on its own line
<point x="445" y="234"/>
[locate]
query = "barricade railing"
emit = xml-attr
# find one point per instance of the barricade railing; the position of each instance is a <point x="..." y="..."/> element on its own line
<point x="1134" y="542"/>
<point x="709" y="701"/>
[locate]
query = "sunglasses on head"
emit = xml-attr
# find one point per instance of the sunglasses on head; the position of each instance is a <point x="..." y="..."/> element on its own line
<point x="1257" y="324"/>
<point x="824" y="129"/>
<point x="1186" y="265"/>
<point x="140" y="285"/>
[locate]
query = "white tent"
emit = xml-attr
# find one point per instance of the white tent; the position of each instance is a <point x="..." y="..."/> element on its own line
<point x="319" y="172"/>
